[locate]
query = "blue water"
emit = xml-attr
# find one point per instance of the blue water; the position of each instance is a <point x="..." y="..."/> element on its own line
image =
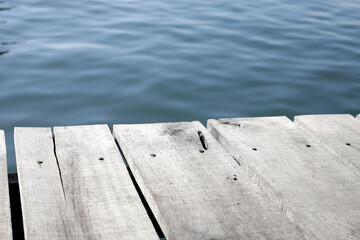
<point x="87" y="62"/>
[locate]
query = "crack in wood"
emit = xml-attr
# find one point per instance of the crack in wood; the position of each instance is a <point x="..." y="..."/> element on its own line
<point x="176" y="131"/>
<point x="229" y="123"/>
<point x="57" y="162"/>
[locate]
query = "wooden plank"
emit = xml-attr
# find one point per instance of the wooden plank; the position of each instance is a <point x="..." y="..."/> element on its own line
<point x="5" y="217"/>
<point x="338" y="133"/>
<point x="320" y="193"/>
<point x="44" y="210"/>
<point x="72" y="194"/>
<point x="194" y="188"/>
<point x="98" y="186"/>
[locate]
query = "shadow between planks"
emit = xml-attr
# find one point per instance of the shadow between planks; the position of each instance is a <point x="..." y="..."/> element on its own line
<point x="324" y="133"/>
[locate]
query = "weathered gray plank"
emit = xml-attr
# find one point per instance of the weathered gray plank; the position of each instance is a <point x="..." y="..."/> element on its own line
<point x="98" y="186"/>
<point x="44" y="211"/>
<point x="5" y="217"/>
<point x="198" y="193"/>
<point x="318" y="193"/>
<point x="77" y="196"/>
<point x="338" y="133"/>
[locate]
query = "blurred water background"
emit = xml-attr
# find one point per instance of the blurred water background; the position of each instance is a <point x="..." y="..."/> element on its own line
<point x="96" y="61"/>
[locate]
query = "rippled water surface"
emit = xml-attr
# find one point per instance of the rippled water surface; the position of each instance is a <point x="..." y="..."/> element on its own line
<point x="86" y="62"/>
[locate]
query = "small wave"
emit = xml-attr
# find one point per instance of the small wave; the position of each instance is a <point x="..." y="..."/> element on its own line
<point x="72" y="45"/>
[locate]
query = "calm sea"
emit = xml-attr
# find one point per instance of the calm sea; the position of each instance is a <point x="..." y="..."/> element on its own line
<point x="87" y="62"/>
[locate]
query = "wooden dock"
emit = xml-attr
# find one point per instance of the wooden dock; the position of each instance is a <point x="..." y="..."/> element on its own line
<point x="239" y="178"/>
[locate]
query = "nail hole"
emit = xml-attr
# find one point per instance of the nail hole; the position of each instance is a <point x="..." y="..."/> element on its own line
<point x="39" y="162"/>
<point x="202" y="151"/>
<point x="235" y="178"/>
<point x="255" y="149"/>
<point x="308" y="145"/>
<point x="101" y="158"/>
<point x="153" y="155"/>
<point x="348" y="144"/>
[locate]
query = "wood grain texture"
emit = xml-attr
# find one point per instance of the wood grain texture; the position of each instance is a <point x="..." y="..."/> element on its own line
<point x="340" y="134"/>
<point x="194" y="188"/>
<point x="5" y="217"/>
<point x="44" y="210"/>
<point x="307" y="182"/>
<point x="98" y="186"/>
<point x="83" y="191"/>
